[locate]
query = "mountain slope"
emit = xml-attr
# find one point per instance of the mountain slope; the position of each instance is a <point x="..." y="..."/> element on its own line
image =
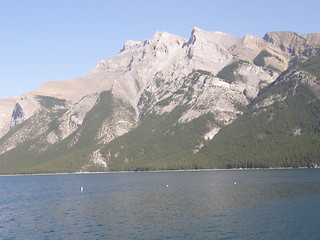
<point x="211" y="101"/>
<point x="281" y="128"/>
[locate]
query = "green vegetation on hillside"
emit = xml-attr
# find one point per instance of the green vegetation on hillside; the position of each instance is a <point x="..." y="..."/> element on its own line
<point x="309" y="52"/>
<point x="228" y="72"/>
<point x="159" y="142"/>
<point x="284" y="134"/>
<point x="27" y="153"/>
<point x="259" y="59"/>
<point x="72" y="153"/>
<point x="202" y="72"/>
<point x="49" y="102"/>
<point x="279" y="128"/>
<point x="312" y="66"/>
<point x="64" y="156"/>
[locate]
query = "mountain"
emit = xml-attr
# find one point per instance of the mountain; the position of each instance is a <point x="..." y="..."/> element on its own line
<point x="210" y="101"/>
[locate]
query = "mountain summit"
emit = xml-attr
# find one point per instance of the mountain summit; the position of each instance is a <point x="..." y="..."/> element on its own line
<point x="210" y="101"/>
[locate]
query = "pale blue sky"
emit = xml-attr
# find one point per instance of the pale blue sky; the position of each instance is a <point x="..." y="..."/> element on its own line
<point x="49" y="40"/>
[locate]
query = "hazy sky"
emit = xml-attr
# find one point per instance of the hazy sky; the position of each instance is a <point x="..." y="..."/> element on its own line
<point x="50" y="40"/>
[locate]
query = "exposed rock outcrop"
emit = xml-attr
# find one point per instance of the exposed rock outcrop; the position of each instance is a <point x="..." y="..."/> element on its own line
<point x="209" y="73"/>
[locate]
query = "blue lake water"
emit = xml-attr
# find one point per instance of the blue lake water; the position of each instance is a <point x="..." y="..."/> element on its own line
<point x="263" y="204"/>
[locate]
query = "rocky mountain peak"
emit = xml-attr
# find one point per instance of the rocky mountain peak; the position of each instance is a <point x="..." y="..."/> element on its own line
<point x="166" y="88"/>
<point x="211" y="51"/>
<point x="250" y="41"/>
<point x="293" y="43"/>
<point x="199" y="36"/>
<point x="129" y="45"/>
<point x="162" y="36"/>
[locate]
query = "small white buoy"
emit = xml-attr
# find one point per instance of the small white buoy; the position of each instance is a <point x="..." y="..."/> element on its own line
<point x="234" y="183"/>
<point x="81" y="189"/>
<point x="167" y="185"/>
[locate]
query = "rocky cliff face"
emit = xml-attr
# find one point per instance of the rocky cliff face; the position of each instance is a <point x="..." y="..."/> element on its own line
<point x="210" y="73"/>
<point x="294" y="43"/>
<point x="6" y="107"/>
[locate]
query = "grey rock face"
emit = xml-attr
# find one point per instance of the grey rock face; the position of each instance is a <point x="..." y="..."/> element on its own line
<point x="212" y="72"/>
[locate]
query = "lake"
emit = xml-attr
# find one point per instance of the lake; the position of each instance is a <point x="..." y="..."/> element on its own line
<point x="226" y="204"/>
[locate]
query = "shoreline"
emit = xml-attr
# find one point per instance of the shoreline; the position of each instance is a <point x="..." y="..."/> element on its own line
<point x="152" y="171"/>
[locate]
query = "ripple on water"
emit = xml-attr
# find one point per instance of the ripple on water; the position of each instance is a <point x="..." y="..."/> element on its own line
<point x="196" y="205"/>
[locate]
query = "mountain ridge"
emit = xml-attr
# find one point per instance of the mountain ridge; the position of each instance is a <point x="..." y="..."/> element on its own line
<point x="211" y="76"/>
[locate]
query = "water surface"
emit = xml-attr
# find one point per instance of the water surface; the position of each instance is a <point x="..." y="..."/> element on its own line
<point x="235" y="204"/>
